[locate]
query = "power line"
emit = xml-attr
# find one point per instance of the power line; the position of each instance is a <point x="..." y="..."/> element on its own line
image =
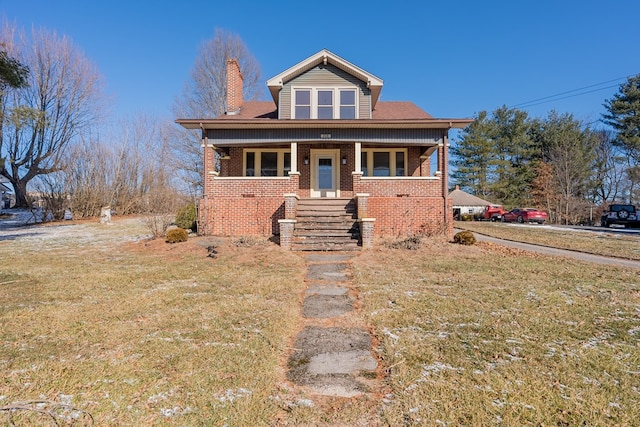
<point x="559" y="96"/>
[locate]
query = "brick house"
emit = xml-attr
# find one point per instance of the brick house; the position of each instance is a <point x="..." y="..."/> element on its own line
<point x="325" y="150"/>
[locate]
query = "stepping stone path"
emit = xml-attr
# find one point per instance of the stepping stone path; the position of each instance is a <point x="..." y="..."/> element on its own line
<point x="332" y="354"/>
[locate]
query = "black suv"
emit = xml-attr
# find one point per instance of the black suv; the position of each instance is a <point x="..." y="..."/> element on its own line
<point x="622" y="215"/>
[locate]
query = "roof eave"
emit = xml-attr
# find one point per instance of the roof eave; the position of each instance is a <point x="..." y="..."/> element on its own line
<point x="323" y="124"/>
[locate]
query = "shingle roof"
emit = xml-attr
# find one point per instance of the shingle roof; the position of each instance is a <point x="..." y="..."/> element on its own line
<point x="387" y="110"/>
<point x="461" y="198"/>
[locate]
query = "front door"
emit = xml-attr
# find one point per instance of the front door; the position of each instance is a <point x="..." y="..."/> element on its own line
<point x="325" y="171"/>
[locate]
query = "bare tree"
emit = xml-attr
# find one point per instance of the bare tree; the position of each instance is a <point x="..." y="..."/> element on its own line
<point x="61" y="100"/>
<point x="205" y="95"/>
<point x="610" y="168"/>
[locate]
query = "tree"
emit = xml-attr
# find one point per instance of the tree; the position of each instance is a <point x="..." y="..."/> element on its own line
<point x="472" y="156"/>
<point x="515" y="156"/>
<point x="12" y="72"/>
<point x="496" y="157"/>
<point x="205" y="96"/>
<point x="61" y="101"/>
<point x="609" y="171"/>
<point x="570" y="153"/>
<point x="624" y="116"/>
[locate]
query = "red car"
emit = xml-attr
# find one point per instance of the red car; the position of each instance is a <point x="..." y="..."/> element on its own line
<point x="525" y="215"/>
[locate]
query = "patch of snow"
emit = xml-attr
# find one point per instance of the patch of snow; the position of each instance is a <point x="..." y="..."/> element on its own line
<point x="232" y="394"/>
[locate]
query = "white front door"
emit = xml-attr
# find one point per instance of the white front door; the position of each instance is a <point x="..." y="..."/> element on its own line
<point x="325" y="172"/>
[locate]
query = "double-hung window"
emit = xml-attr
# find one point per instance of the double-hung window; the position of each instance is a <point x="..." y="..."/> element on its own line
<point x="378" y="162"/>
<point x="267" y="162"/>
<point x="302" y="104"/>
<point x="324" y="103"/>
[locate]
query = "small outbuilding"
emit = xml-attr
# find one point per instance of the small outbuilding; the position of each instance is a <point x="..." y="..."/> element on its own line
<point x="466" y="204"/>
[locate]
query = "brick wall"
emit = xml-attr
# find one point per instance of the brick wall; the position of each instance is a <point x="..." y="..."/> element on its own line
<point x="236" y="205"/>
<point x="406" y="216"/>
<point x="245" y="206"/>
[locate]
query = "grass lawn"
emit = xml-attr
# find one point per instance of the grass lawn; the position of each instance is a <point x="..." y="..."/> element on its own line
<point x="603" y="242"/>
<point x="485" y="335"/>
<point x="96" y="323"/>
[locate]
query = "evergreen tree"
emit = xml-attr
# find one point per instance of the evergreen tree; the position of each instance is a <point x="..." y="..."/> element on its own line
<point x="624" y="116"/>
<point x="472" y="156"/>
<point x="12" y="72"/>
<point x="515" y="152"/>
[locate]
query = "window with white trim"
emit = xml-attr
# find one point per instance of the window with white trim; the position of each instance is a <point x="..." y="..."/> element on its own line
<point x="379" y="162"/>
<point x="324" y="103"/>
<point x="267" y="162"/>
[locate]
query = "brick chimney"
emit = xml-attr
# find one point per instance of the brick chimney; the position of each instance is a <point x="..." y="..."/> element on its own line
<point x="234" y="87"/>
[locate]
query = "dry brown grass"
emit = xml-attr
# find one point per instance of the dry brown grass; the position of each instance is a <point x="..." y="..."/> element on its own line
<point x="145" y="333"/>
<point x="138" y="332"/>
<point x="603" y="242"/>
<point x="484" y="335"/>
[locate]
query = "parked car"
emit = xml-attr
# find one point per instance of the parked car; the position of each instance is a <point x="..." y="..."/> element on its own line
<point x="620" y="215"/>
<point x="525" y="215"/>
<point x="492" y="213"/>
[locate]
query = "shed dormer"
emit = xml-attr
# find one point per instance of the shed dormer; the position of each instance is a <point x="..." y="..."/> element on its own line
<point x="324" y="87"/>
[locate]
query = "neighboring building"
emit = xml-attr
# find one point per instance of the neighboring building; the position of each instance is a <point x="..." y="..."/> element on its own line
<point x="325" y="140"/>
<point x="6" y="194"/>
<point x="467" y="204"/>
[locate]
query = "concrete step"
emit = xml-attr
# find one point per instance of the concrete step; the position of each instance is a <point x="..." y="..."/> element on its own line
<point x="325" y="246"/>
<point x="325" y="225"/>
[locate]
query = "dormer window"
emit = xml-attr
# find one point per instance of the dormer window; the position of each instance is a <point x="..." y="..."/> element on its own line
<point x="303" y="104"/>
<point x="320" y="103"/>
<point x="325" y="104"/>
<point x="347" y="104"/>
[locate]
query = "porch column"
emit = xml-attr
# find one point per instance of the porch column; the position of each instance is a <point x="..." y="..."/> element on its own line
<point x="358" y="164"/>
<point x="439" y="161"/>
<point x="448" y="212"/>
<point x="294" y="157"/>
<point x="286" y="233"/>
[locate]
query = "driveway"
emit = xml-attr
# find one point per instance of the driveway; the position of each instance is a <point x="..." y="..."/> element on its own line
<point x="598" y="259"/>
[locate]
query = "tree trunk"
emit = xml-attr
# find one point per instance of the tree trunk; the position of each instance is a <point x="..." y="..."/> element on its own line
<point x="20" y="190"/>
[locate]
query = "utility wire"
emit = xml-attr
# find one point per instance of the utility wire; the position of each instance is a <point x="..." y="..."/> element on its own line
<point x="552" y="98"/>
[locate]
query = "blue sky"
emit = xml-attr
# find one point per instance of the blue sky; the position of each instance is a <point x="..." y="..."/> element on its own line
<point x="453" y="59"/>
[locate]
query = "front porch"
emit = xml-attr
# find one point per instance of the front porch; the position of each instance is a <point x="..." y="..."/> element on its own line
<point x="257" y="190"/>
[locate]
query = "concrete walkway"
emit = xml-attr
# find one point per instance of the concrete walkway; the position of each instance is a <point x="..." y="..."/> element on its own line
<point x="560" y="252"/>
<point x="333" y="353"/>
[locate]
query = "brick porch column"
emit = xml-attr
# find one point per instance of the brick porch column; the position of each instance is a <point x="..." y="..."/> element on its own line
<point x="286" y="233"/>
<point x="366" y="232"/>
<point x="290" y="205"/>
<point x="362" y="205"/>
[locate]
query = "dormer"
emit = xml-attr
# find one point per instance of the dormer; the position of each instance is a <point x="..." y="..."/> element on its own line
<point x="325" y="87"/>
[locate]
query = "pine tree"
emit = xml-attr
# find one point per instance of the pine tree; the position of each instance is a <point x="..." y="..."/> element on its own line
<point x="624" y="116"/>
<point x="472" y="156"/>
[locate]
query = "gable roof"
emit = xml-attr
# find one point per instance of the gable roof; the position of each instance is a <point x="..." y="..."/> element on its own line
<point x="325" y="57"/>
<point x="462" y="198"/>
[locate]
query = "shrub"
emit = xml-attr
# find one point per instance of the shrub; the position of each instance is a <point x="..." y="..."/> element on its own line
<point x="466" y="217"/>
<point x="465" y="237"/>
<point x="158" y="223"/>
<point x="186" y="217"/>
<point x="176" y="235"/>
<point x="410" y="243"/>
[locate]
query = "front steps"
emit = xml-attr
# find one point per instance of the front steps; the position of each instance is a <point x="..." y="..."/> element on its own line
<point x="326" y="225"/>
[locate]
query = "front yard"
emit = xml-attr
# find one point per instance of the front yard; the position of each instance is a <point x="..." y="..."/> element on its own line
<point x="98" y="323"/>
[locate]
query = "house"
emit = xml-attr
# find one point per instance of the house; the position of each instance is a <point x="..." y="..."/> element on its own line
<point x="325" y="161"/>
<point x="467" y="204"/>
<point x="5" y="194"/>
